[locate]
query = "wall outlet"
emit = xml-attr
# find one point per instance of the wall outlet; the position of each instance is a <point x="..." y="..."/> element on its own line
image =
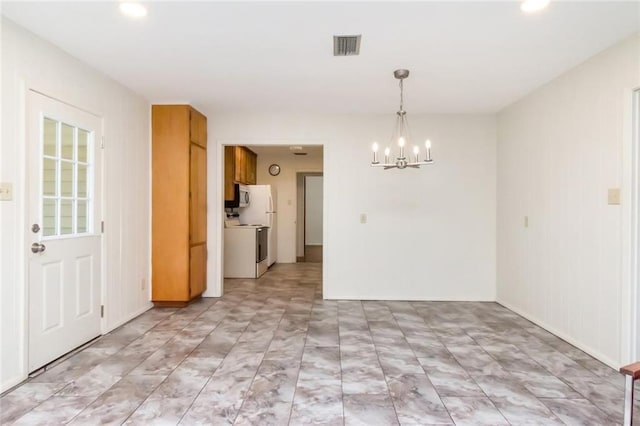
<point x="6" y="191"/>
<point x="363" y="218"/>
<point x="613" y="196"/>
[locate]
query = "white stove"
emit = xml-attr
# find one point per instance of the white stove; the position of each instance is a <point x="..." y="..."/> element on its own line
<point x="245" y="249"/>
<point x="232" y="223"/>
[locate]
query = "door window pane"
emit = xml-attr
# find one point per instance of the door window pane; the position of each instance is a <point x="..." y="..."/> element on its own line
<point x="66" y="217"/>
<point x="66" y="177"/>
<point x="82" y="181"/>
<point x="82" y="216"/>
<point x="67" y="141"/>
<point x="49" y="176"/>
<point x="83" y="145"/>
<point x="49" y="137"/>
<point x="49" y="216"/>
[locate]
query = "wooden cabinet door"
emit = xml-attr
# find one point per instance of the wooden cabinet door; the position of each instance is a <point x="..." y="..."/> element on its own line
<point x="198" y="221"/>
<point x="241" y="164"/>
<point x="198" y="128"/>
<point x="229" y="172"/>
<point x="198" y="270"/>
<point x="198" y="195"/>
<point x="252" y="160"/>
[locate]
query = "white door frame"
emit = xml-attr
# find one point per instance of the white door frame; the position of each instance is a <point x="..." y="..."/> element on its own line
<point x="301" y="213"/>
<point x="635" y="226"/>
<point x="630" y="285"/>
<point x="24" y="206"/>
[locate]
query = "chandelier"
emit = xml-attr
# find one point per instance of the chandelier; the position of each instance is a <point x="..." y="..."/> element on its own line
<point x="401" y="135"/>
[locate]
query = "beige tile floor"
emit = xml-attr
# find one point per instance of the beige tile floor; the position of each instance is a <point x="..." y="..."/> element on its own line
<point x="271" y="351"/>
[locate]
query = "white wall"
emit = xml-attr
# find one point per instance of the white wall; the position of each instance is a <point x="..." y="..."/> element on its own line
<point x="285" y="185"/>
<point x="559" y="150"/>
<point x="430" y="233"/>
<point x="31" y="63"/>
<point x="313" y="210"/>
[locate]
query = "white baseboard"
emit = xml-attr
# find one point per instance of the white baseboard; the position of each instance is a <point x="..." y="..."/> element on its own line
<point x="128" y="318"/>
<point x="594" y="353"/>
<point x="8" y="384"/>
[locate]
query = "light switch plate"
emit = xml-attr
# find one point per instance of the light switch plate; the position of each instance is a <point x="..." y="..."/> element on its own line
<point x="363" y="218"/>
<point x="614" y="196"/>
<point x="526" y="221"/>
<point x="6" y="191"/>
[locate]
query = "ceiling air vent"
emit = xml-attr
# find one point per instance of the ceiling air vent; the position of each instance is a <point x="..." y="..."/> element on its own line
<point x="346" y="45"/>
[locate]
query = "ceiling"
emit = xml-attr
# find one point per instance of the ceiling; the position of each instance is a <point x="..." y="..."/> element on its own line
<point x="464" y="57"/>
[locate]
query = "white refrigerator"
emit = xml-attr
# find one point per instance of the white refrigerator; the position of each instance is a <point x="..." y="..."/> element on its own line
<point x="262" y="211"/>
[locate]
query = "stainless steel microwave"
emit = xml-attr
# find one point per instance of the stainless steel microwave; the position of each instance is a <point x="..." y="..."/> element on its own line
<point x="241" y="197"/>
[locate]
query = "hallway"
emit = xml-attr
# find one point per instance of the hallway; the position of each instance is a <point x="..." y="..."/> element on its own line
<point x="271" y="351"/>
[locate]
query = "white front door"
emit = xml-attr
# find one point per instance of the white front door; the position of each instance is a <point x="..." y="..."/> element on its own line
<point x="64" y="235"/>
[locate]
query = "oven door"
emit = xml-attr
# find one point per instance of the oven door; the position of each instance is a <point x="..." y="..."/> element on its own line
<point x="261" y="244"/>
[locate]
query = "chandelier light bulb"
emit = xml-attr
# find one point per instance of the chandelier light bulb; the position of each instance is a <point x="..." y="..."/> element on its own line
<point x="375" y="147"/>
<point x="401" y="142"/>
<point x="427" y="144"/>
<point x="386" y="155"/>
<point x="416" y="150"/>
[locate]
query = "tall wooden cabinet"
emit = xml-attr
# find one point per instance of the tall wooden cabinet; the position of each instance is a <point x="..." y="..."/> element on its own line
<point x="239" y="167"/>
<point x="179" y="204"/>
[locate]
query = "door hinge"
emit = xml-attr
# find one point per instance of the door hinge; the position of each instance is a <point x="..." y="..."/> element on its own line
<point x="102" y="143"/>
<point x="101" y="311"/>
<point x="102" y="227"/>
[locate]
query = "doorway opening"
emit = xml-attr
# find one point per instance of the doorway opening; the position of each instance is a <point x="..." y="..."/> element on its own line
<point x="250" y="166"/>
<point x="309" y="229"/>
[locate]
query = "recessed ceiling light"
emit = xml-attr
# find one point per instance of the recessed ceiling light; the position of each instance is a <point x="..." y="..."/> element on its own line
<point x="529" y="6"/>
<point x="133" y="10"/>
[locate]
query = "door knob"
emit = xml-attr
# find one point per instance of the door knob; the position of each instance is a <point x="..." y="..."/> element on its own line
<point x="38" y="248"/>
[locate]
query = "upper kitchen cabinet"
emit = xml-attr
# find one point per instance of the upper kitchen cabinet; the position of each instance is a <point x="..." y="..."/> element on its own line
<point x="240" y="166"/>
<point x="179" y="205"/>
<point x="251" y="166"/>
